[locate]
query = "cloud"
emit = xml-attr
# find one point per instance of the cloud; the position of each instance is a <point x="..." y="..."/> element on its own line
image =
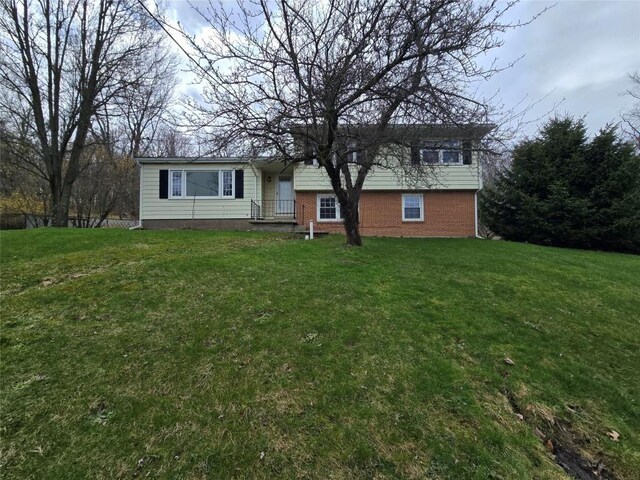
<point x="578" y="53"/>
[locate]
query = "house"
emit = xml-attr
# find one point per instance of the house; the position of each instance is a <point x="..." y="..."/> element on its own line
<point x="260" y="194"/>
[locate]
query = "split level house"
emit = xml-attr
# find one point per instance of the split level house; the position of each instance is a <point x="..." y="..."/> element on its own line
<point x="265" y="194"/>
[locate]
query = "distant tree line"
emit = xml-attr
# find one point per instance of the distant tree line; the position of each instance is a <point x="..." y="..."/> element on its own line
<point x="84" y="88"/>
<point x="565" y="189"/>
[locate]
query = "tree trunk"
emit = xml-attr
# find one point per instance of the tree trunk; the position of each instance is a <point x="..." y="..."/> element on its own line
<point x="349" y="213"/>
<point x="60" y="207"/>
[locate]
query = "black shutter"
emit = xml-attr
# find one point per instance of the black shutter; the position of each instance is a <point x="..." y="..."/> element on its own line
<point x="341" y="155"/>
<point x="415" y="155"/>
<point x="239" y="183"/>
<point x="466" y="152"/>
<point x="164" y="183"/>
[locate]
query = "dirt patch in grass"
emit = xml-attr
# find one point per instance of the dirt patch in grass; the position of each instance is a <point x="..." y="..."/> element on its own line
<point x="565" y="445"/>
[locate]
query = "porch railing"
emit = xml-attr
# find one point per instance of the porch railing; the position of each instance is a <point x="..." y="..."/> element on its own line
<point x="277" y="209"/>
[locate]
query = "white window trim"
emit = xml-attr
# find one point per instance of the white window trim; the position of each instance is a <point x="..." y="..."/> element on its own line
<point x="220" y="184"/>
<point x="421" y="219"/>
<point x="441" y="151"/>
<point x="171" y="172"/>
<point x="327" y="220"/>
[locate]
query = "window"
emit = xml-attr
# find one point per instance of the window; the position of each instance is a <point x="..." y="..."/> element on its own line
<point x="412" y="208"/>
<point x="328" y="208"/>
<point x="451" y="152"/>
<point x="176" y="184"/>
<point x="227" y="183"/>
<point x="355" y="153"/>
<point x="448" y="152"/>
<point x="202" y="184"/>
<point x="311" y="154"/>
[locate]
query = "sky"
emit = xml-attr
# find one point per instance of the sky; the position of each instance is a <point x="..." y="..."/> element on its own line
<point x="576" y="58"/>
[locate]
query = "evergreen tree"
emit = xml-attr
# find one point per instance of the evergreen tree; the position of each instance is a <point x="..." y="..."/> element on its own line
<point x="565" y="190"/>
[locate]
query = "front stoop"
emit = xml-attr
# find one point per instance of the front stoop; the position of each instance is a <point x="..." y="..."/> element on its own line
<point x="275" y="225"/>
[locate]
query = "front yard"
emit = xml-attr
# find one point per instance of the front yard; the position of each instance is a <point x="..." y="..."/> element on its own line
<point x="190" y="354"/>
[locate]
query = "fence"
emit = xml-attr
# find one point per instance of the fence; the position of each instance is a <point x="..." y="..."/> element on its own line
<point x="32" y="220"/>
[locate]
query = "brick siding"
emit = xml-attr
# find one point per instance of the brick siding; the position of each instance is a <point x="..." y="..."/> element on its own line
<point x="446" y="214"/>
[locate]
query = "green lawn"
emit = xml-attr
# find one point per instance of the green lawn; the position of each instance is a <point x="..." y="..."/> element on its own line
<point x="188" y="354"/>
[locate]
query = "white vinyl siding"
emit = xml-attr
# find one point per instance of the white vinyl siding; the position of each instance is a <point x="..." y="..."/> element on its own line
<point x="445" y="177"/>
<point x="155" y="208"/>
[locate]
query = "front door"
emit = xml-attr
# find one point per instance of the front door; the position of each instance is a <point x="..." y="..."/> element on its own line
<point x="284" y="196"/>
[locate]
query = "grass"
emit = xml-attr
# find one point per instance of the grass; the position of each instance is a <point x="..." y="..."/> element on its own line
<point x="188" y="354"/>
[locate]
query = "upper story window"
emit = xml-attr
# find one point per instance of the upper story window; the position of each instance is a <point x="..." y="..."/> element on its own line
<point x="443" y="152"/>
<point x="447" y="152"/>
<point x="202" y="184"/>
<point x="352" y="151"/>
<point x="355" y="152"/>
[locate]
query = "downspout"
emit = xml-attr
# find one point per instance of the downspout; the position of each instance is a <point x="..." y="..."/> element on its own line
<point x="475" y="197"/>
<point x="475" y="205"/>
<point x="139" y="225"/>
<point x="258" y="179"/>
<point x="255" y="186"/>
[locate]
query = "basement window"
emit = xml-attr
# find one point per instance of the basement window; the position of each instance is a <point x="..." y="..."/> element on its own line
<point x="328" y="208"/>
<point x="412" y="208"/>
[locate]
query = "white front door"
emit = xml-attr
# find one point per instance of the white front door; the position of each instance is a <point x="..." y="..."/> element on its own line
<point x="284" y="196"/>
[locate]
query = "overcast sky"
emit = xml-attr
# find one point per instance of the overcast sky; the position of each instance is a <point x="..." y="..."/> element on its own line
<point x="577" y="56"/>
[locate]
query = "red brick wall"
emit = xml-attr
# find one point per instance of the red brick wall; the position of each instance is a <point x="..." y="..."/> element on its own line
<point x="446" y="214"/>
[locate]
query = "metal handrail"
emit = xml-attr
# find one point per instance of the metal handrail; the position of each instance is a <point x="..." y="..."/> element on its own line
<point x="267" y="209"/>
<point x="256" y="211"/>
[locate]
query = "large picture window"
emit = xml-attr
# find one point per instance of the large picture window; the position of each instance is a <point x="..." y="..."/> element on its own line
<point x="412" y="208"/>
<point x="202" y="184"/>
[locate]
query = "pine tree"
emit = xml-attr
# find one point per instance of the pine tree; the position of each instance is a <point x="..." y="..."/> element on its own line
<point x="565" y="190"/>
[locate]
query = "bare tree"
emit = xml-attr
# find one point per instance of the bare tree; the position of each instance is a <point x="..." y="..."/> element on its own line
<point x="144" y="106"/>
<point x="342" y="81"/>
<point x="101" y="187"/>
<point x="20" y="189"/>
<point x="62" y="61"/>
<point x="631" y="117"/>
<point x="130" y="125"/>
